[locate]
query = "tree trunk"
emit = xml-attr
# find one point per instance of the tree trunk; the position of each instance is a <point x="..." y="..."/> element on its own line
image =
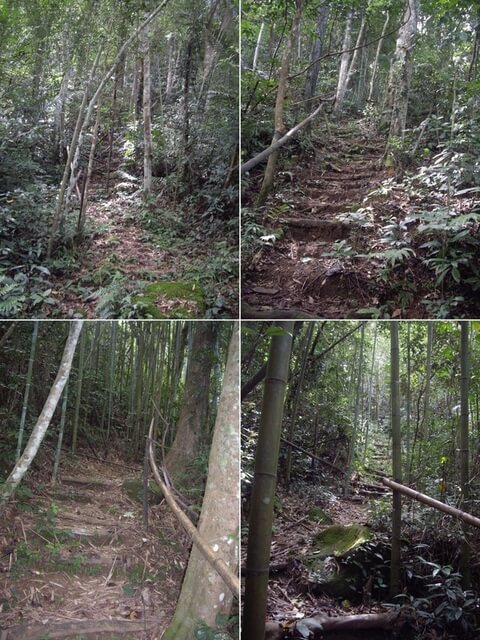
<point x="353" y="438"/>
<point x="344" y="64"/>
<point x="43" y="422"/>
<point x="377" y="58"/>
<point x="317" y="49"/>
<point x="279" y="106"/>
<point x="193" y="414"/>
<point x="204" y="596"/>
<point x="395" y="566"/>
<point x="263" y="493"/>
<point x="400" y="73"/>
<point x="88" y="177"/>
<point x="356" y="54"/>
<point x="257" y="47"/>
<point x="147" y="117"/>
<point x="26" y="394"/>
<point x="464" y="448"/>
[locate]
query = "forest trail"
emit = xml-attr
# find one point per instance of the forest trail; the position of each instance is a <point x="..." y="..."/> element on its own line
<point x="83" y="564"/>
<point x="317" y="207"/>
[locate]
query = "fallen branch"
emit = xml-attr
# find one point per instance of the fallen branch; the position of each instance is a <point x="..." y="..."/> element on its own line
<point x="317" y="625"/>
<point x="79" y="628"/>
<point x="314" y="457"/>
<point x="263" y="155"/>
<point x="231" y="580"/>
<point x="431" y="502"/>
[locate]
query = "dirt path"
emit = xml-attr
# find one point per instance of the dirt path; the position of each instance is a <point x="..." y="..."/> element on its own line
<point x="316" y="208"/>
<point x="84" y="566"/>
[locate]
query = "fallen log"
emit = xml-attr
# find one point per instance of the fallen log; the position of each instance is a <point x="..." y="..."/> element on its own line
<point x="313" y="456"/>
<point x="80" y="628"/>
<point x="318" y="625"/>
<point x="431" y="502"/>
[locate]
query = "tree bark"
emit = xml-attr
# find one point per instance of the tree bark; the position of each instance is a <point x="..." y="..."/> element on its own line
<point x="377" y="57"/>
<point x="193" y="414"/>
<point x="464" y="448"/>
<point x="266" y="462"/>
<point x="43" y="422"/>
<point x="147" y="117"/>
<point x="344" y="64"/>
<point x="395" y="563"/>
<point x="204" y="596"/>
<point x="317" y="49"/>
<point x="28" y="384"/>
<point x="279" y="107"/>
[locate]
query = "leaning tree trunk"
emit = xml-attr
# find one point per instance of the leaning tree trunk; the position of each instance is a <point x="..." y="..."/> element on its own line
<point x="400" y="73"/>
<point x="279" y="106"/>
<point x="193" y="414"/>
<point x="395" y="564"/>
<point x="204" y="596"/>
<point x="43" y="422"/>
<point x="266" y="462"/>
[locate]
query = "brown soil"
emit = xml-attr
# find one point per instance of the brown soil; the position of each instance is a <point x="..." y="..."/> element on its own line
<point x="87" y="567"/>
<point x="326" y="197"/>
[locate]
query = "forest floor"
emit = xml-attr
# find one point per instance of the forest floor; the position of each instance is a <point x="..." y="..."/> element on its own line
<point x="340" y="239"/>
<point x="355" y="583"/>
<point x="76" y="561"/>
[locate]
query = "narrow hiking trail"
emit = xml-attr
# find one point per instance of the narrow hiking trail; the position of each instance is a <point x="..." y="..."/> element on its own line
<point x="327" y="209"/>
<point x="80" y="563"/>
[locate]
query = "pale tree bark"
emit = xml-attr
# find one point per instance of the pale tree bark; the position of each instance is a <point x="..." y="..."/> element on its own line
<point x="280" y="105"/>
<point x="193" y="414"/>
<point x="317" y="49"/>
<point x="400" y="72"/>
<point x="43" y="422"/>
<point x="171" y="75"/>
<point x="353" y="437"/>
<point x="204" y="595"/>
<point x="265" y="476"/>
<point x="147" y="116"/>
<point x="356" y="54"/>
<point x="28" y="385"/>
<point x="257" y="47"/>
<point x="344" y="64"/>
<point x="464" y="448"/>
<point x="88" y="177"/>
<point x="395" y="564"/>
<point x="377" y="57"/>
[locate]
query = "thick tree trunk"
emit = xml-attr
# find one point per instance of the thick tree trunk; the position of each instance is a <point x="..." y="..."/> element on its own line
<point x="269" y="175"/>
<point x="193" y="414"/>
<point x="317" y="49"/>
<point x="266" y="462"/>
<point x="204" y="596"/>
<point x="43" y="422"/>
<point x="400" y="72"/>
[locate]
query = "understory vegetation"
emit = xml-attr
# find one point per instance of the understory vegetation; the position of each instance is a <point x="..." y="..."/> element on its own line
<point x="340" y="545"/>
<point x="376" y="201"/>
<point x="117" y="163"/>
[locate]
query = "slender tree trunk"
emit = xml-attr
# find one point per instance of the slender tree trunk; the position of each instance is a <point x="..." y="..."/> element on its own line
<point x="464" y="447"/>
<point x="279" y="106"/>
<point x="408" y="407"/>
<point x="353" y="438"/>
<point x="377" y="58"/>
<point x="257" y="47"/>
<point x="263" y="494"/>
<point x="395" y="566"/>
<point x="147" y="117"/>
<point x="78" y="392"/>
<point x="344" y="64"/>
<point x="356" y="54"/>
<point x="370" y="393"/>
<point x="88" y="177"/>
<point x="23" y="464"/>
<point x="61" y="431"/>
<point x="28" y="385"/>
<point x="218" y="524"/>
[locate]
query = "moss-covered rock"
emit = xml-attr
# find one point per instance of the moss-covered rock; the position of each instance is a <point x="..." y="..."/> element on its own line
<point x="338" y="540"/>
<point x="315" y="514"/>
<point x="134" y="490"/>
<point x="329" y="570"/>
<point x="173" y="300"/>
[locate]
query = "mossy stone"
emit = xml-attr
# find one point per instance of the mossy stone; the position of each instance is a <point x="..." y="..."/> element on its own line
<point x="134" y="490"/>
<point x="189" y="300"/>
<point x="338" y="540"/>
<point x="318" y="515"/>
